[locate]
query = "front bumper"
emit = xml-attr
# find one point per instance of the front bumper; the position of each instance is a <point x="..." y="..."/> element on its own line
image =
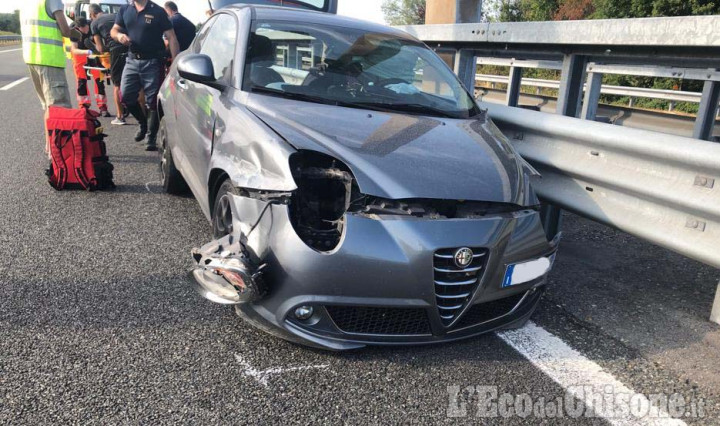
<point x="382" y="273"/>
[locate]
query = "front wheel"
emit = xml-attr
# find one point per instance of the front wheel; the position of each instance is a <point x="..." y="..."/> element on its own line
<point x="222" y="216"/>
<point x="172" y="180"/>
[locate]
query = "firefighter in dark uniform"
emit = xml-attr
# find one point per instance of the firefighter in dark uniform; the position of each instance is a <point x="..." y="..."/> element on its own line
<point x="141" y="26"/>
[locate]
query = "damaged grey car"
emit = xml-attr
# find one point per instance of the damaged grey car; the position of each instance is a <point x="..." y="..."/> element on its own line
<point x="357" y="194"/>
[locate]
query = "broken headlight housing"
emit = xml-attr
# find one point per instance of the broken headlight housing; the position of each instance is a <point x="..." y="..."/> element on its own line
<point x="325" y="190"/>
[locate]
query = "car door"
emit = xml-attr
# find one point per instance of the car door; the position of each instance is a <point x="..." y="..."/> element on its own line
<point x="199" y="104"/>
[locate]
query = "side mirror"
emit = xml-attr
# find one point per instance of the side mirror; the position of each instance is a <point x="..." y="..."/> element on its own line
<point x="197" y="68"/>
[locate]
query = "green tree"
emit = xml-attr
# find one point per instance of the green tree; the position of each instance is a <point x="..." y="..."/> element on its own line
<point x="645" y="8"/>
<point x="10" y="22"/>
<point x="527" y="10"/>
<point x="404" y="12"/>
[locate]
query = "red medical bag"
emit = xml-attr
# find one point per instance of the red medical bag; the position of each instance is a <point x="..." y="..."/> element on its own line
<point x="77" y="148"/>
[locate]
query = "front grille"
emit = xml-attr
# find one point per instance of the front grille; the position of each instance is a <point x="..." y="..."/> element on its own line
<point x="370" y="320"/>
<point x="454" y="286"/>
<point x="484" y="312"/>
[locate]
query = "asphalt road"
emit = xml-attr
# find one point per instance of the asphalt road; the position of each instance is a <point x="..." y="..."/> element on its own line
<point x="98" y="323"/>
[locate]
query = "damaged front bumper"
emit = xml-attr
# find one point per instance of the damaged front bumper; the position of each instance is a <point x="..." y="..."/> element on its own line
<point x="379" y="286"/>
<point x="225" y="274"/>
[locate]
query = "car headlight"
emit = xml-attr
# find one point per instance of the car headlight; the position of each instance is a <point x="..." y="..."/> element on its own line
<point x="318" y="206"/>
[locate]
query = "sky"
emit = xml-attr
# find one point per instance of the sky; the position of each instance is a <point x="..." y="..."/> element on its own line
<point x="194" y="10"/>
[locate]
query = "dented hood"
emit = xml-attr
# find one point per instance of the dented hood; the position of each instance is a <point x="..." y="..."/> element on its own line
<point x="400" y="156"/>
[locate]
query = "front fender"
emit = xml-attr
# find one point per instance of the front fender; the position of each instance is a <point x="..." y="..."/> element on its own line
<point x="251" y="154"/>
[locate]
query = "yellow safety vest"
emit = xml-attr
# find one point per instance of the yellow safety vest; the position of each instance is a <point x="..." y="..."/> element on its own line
<point x="41" y="38"/>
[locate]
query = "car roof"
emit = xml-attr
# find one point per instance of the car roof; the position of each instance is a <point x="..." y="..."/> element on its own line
<point x="110" y="2"/>
<point x="277" y="13"/>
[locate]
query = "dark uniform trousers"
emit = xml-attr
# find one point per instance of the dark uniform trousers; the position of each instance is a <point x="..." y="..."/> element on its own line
<point x="145" y="74"/>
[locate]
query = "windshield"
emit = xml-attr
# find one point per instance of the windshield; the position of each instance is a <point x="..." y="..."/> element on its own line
<point x="353" y="68"/>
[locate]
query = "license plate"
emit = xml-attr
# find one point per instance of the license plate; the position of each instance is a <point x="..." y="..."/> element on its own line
<point x="521" y="273"/>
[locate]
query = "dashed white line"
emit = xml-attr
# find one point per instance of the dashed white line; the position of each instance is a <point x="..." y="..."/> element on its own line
<point x="14" y="83"/>
<point x="263" y="376"/>
<point x="574" y="373"/>
<point x="10" y="50"/>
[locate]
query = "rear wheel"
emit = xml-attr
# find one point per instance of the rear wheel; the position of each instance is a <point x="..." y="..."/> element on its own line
<point x="222" y="217"/>
<point x="172" y="180"/>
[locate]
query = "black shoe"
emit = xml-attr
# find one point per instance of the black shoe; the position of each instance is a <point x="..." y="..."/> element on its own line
<point x="105" y="113"/>
<point x="140" y="135"/>
<point x="153" y="125"/>
<point x="151" y="144"/>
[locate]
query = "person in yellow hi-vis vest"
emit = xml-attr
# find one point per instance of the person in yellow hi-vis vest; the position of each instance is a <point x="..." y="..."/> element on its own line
<point x="43" y="26"/>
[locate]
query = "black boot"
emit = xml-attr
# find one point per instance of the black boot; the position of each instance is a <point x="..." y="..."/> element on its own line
<point x="154" y="125"/>
<point x="137" y="112"/>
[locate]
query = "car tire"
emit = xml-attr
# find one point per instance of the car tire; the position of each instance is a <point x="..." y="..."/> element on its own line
<point x="172" y="180"/>
<point x="222" y="216"/>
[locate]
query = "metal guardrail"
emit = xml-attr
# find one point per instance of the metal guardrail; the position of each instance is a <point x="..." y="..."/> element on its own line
<point x="659" y="187"/>
<point x="7" y="38"/>
<point x="633" y="92"/>
<point x="662" y="188"/>
<point x="685" y="47"/>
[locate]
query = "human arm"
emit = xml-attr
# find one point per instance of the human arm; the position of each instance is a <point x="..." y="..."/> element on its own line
<point x="117" y="35"/>
<point x="98" y="43"/>
<point x="118" y="30"/>
<point x="62" y="24"/>
<point x="172" y="42"/>
<point x="76" y="50"/>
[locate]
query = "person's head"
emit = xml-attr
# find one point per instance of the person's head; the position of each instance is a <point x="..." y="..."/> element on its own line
<point x="95" y="11"/>
<point x="82" y="25"/>
<point x="171" y="8"/>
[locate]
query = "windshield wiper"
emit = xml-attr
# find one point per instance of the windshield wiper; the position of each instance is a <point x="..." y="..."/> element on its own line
<point x="305" y="97"/>
<point x="375" y="106"/>
<point x="409" y="107"/>
<point x="293" y="95"/>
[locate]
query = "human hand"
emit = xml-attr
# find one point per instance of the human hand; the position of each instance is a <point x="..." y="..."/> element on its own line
<point x="124" y="39"/>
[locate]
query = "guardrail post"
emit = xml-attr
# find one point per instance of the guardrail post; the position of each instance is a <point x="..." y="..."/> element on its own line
<point x="571" y="85"/>
<point x="715" y="315"/>
<point x="466" y="68"/>
<point x="592" y="96"/>
<point x="705" y="121"/>
<point x="513" y="90"/>
<point x="568" y="103"/>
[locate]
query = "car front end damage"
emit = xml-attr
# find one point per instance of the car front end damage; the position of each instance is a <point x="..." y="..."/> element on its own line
<point x="331" y="267"/>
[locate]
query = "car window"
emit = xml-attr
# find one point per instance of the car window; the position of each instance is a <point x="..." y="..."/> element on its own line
<point x="354" y="68"/>
<point x="197" y="43"/>
<point x="219" y="45"/>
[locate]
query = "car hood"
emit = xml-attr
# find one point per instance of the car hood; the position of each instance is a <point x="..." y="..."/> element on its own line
<point x="400" y="156"/>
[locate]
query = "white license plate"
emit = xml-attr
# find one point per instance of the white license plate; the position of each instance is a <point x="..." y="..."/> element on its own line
<point x="521" y="273"/>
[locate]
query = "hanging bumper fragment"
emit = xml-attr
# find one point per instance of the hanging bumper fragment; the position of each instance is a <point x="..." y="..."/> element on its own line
<point x="224" y="273"/>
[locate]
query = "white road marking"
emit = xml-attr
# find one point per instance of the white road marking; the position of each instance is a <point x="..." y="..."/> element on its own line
<point x="263" y="376"/>
<point x="10" y="50"/>
<point x="147" y="185"/>
<point x="571" y="370"/>
<point x="14" y="83"/>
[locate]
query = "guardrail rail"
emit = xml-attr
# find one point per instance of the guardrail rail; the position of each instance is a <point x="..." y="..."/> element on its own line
<point x="10" y="39"/>
<point x="659" y="187"/>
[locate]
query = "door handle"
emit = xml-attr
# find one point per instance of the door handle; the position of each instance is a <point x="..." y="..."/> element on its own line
<point x="182" y="84"/>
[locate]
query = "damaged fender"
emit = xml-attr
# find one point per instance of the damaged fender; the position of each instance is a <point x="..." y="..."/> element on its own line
<point x="253" y="162"/>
